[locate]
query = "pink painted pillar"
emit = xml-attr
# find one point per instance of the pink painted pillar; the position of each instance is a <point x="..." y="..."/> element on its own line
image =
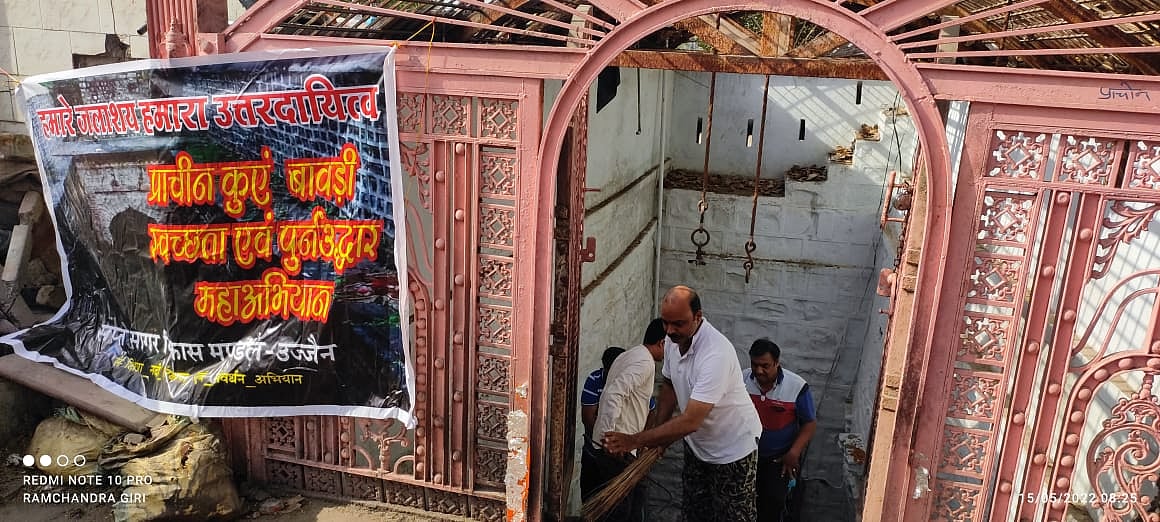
<point x="201" y="21"/>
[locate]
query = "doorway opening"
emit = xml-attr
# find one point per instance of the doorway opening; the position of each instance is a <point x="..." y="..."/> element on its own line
<point x="783" y="200"/>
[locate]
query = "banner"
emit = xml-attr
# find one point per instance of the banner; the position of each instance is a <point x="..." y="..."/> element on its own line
<point x="231" y="232"/>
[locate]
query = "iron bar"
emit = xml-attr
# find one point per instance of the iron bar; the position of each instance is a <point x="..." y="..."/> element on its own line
<point x="1037" y="30"/>
<point x="578" y="13"/>
<point x="883" y="13"/>
<point x="967" y="19"/>
<point x="638" y="129"/>
<point x="751" y="246"/>
<point x="851" y="68"/>
<point x="1040" y="52"/>
<point x="453" y="21"/>
<point x="700" y="236"/>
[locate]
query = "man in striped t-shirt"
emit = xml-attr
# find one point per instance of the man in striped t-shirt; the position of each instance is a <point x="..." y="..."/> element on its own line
<point x="788" y="421"/>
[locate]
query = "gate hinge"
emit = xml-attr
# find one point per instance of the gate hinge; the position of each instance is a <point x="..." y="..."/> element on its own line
<point x="588" y="251"/>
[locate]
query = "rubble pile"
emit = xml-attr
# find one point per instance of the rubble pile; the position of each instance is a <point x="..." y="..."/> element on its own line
<point x="260" y="501"/>
<point x="810" y="173"/>
<point x="31" y="288"/>
<point x="724" y="183"/>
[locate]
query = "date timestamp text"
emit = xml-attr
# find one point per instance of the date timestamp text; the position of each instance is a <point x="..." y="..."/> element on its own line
<point x="1076" y="498"/>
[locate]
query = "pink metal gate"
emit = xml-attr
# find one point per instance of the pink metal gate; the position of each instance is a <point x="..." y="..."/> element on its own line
<point x="1045" y="403"/>
<point x="568" y="256"/>
<point x="462" y="153"/>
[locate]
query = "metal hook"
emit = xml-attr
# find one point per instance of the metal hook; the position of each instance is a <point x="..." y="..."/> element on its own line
<point x="699" y="257"/>
<point x="750" y="247"/>
<point x="703" y="205"/>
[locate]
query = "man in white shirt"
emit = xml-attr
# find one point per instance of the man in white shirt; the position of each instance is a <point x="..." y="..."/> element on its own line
<point x="719" y="424"/>
<point x="624" y="406"/>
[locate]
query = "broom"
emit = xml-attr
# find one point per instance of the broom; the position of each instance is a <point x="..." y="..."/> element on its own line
<point x="619" y="488"/>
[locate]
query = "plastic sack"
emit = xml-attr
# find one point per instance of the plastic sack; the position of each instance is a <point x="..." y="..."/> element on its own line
<point x="188" y="477"/>
<point x="73" y="446"/>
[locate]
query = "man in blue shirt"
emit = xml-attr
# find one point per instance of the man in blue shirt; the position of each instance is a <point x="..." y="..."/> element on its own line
<point x="788" y="421"/>
<point x="589" y="402"/>
<point x="593" y="387"/>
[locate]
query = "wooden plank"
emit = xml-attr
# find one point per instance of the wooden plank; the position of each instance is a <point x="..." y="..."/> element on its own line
<point x="856" y="69"/>
<point x="737" y="32"/>
<point x="818" y="46"/>
<point x="707" y="33"/>
<point x="948" y="32"/>
<point x="19" y="248"/>
<point x="776" y="34"/>
<point x="1103" y="35"/>
<point x="31" y="208"/>
<point x="721" y="32"/>
<point x="75" y="391"/>
<point x="579" y="22"/>
<point x="981" y="26"/>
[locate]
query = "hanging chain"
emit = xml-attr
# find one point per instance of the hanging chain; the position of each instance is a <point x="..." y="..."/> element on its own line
<point x="700" y="236"/>
<point x="903" y="227"/>
<point x="751" y="246"/>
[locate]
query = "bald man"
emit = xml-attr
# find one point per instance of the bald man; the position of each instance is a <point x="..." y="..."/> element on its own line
<point x="718" y="422"/>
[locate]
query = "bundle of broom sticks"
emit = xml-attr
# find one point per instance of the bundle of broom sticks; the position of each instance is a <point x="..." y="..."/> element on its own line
<point x="619" y="488"/>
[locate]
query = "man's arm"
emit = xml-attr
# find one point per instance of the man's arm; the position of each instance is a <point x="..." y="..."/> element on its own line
<point x="803" y="437"/>
<point x="791" y="462"/>
<point x="588" y="417"/>
<point x="670" y="431"/>
<point x="687" y="422"/>
<point x="666" y="405"/>
<point x="589" y="404"/>
<point x="807" y="420"/>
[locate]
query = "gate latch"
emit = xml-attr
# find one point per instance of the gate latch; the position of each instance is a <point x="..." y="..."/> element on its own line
<point x="588" y="251"/>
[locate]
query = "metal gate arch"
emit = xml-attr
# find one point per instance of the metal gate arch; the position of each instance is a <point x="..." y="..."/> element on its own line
<point x="957" y="448"/>
<point x="917" y="95"/>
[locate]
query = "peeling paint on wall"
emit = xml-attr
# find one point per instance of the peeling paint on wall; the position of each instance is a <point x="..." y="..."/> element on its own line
<point x="516" y="480"/>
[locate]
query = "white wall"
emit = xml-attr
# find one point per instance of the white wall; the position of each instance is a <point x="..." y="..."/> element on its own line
<point x="827" y="105"/>
<point x="816" y="247"/>
<point x="41" y="36"/>
<point x="865" y="391"/>
<point x="819" y="248"/>
<point x="804" y="293"/>
<point x="619" y="285"/>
